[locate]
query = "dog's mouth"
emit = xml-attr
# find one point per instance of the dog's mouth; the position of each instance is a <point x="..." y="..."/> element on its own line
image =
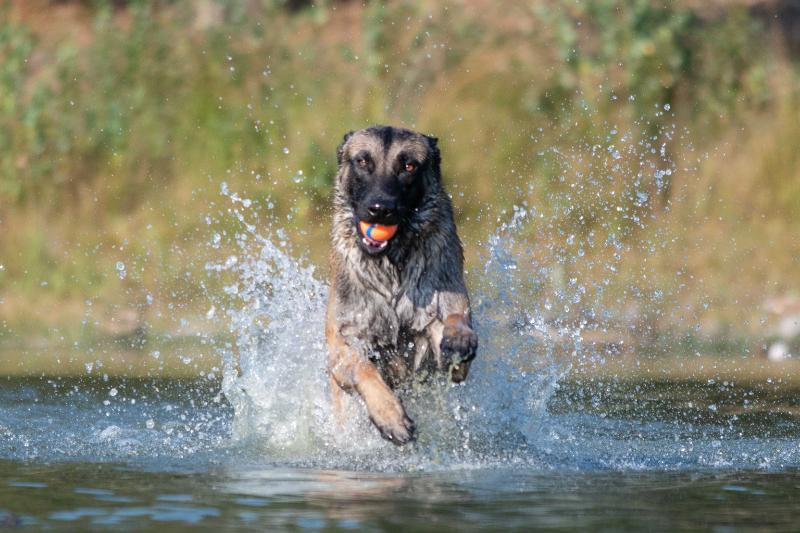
<point x="374" y="244"/>
<point x="377" y="245"/>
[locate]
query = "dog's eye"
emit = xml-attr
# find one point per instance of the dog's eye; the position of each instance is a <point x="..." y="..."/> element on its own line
<point x="410" y="167"/>
<point x="361" y="162"/>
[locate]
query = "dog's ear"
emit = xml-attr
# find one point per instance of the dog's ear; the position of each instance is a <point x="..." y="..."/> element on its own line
<point x="435" y="156"/>
<point x="340" y="148"/>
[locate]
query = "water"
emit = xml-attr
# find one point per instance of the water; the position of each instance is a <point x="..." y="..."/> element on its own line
<point x="274" y="499"/>
<point x="607" y="456"/>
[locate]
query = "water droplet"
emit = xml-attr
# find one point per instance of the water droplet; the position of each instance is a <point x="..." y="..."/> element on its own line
<point x="113" y="392"/>
<point x="285" y="150"/>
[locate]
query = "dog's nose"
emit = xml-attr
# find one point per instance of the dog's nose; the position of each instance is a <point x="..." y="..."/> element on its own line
<point x="381" y="210"/>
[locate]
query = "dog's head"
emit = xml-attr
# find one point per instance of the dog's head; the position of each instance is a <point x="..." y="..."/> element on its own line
<point x="386" y="175"/>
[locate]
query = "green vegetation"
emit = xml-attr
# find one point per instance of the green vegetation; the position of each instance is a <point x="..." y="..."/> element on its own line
<point x="116" y="136"/>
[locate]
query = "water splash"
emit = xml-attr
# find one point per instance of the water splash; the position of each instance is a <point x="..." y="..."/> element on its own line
<point x="275" y="375"/>
<point x="549" y="286"/>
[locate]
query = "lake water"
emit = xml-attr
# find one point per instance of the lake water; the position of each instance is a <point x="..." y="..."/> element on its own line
<point x="146" y="455"/>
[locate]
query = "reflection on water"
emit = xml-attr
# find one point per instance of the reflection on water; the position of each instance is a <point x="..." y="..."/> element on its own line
<point x="625" y="455"/>
<point x="81" y="496"/>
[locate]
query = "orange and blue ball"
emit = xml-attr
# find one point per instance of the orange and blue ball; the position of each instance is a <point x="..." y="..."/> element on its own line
<point x="378" y="232"/>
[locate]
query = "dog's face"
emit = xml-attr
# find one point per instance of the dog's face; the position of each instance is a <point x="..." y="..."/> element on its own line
<point x="385" y="175"/>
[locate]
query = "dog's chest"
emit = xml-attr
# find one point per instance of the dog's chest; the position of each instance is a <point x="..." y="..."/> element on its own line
<point x="414" y="309"/>
<point x="400" y="302"/>
<point x="413" y="300"/>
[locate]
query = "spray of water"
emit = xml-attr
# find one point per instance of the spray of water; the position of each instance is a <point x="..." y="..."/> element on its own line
<point x="275" y="374"/>
<point x="530" y="334"/>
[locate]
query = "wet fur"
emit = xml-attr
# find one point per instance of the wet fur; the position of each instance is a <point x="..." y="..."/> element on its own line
<point x="405" y="311"/>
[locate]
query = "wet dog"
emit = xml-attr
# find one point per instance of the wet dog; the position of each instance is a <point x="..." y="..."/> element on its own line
<point x="398" y="306"/>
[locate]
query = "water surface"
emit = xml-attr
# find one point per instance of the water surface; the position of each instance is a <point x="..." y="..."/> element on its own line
<point x="605" y="456"/>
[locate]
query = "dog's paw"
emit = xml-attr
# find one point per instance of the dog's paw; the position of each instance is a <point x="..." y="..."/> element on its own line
<point x="458" y="347"/>
<point x="398" y="433"/>
<point x="458" y="373"/>
<point x="393" y="423"/>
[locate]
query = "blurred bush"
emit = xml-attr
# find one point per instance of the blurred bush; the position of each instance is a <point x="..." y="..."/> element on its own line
<point x="616" y="120"/>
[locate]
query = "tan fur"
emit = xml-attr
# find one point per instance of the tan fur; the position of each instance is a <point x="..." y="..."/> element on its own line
<point x="405" y="311"/>
<point x="349" y="371"/>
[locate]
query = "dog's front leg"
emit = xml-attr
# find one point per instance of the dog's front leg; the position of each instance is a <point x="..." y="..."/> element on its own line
<point x="352" y="371"/>
<point x="454" y="337"/>
<point x="459" y="345"/>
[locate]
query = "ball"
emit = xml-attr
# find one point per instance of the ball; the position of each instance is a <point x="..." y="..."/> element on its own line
<point x="378" y="232"/>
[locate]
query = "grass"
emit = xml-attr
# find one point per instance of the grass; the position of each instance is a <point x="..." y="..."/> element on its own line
<point x="115" y="138"/>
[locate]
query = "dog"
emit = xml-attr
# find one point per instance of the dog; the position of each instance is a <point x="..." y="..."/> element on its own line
<point x="397" y="308"/>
